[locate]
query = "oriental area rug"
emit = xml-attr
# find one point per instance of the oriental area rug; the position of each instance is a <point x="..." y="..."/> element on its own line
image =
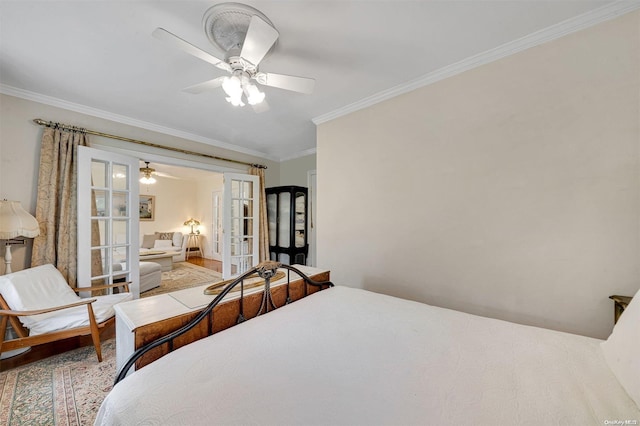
<point x="65" y="389"/>
<point x="184" y="275"/>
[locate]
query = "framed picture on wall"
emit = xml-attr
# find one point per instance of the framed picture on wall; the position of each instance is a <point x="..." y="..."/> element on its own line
<point x="147" y="207"/>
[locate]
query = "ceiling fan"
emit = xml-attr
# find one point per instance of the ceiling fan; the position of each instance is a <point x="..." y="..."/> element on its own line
<point x="147" y="174"/>
<point x="246" y="36"/>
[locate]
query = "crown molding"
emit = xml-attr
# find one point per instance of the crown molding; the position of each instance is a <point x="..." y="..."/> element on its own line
<point x="586" y="20"/>
<point x="299" y="154"/>
<point x="94" y="112"/>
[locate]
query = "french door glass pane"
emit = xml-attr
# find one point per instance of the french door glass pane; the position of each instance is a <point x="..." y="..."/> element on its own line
<point x="99" y="229"/>
<point x="120" y="232"/>
<point x="120" y="207"/>
<point x="103" y="255"/>
<point x="101" y="201"/>
<point x="119" y="256"/>
<point x="247" y="190"/>
<point x="119" y="177"/>
<point x="99" y="174"/>
<point x="235" y="189"/>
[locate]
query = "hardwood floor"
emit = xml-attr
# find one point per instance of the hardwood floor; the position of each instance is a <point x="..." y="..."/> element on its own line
<point x="216" y="265"/>
<point x="44" y="351"/>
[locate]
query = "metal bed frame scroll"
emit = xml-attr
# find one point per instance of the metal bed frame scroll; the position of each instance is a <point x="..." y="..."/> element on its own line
<point x="265" y="270"/>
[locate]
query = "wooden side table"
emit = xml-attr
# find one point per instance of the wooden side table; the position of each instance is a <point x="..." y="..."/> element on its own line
<point x="193" y="245"/>
<point x="620" y="304"/>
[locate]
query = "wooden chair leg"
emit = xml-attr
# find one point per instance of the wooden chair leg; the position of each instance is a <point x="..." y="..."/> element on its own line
<point x="95" y="333"/>
<point x="3" y="330"/>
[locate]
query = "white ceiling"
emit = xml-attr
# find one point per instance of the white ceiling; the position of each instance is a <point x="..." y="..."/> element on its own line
<point x="101" y="55"/>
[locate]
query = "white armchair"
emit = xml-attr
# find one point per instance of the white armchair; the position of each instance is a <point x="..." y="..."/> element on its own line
<point x="42" y="308"/>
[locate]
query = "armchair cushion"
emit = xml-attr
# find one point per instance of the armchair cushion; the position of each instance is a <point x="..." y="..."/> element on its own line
<point x="77" y="316"/>
<point x="36" y="288"/>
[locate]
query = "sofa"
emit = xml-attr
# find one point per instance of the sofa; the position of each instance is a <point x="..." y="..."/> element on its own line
<point x="166" y="241"/>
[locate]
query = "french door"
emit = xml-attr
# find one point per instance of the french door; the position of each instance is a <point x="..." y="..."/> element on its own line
<point x="240" y="223"/>
<point x="108" y="218"/>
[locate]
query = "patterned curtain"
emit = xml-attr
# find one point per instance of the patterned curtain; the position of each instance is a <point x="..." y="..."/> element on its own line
<point x="263" y="241"/>
<point x="56" y="204"/>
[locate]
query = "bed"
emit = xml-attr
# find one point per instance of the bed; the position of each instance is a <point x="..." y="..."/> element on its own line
<point x="345" y="356"/>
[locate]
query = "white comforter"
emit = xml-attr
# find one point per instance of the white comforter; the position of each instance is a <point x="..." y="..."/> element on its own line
<point x="347" y="356"/>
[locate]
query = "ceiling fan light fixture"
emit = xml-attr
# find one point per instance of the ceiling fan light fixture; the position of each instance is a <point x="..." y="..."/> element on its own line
<point x="235" y="101"/>
<point x="147" y="177"/>
<point x="232" y="86"/>
<point x="147" y="180"/>
<point x="253" y="94"/>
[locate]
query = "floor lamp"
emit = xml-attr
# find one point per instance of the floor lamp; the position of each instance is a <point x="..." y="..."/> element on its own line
<point x="15" y="222"/>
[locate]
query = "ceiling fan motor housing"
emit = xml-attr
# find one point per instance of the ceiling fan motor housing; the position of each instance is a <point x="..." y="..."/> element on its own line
<point x="226" y="26"/>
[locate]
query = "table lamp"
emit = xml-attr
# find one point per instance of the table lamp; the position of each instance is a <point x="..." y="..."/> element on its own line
<point x="192" y="222"/>
<point x="15" y="222"/>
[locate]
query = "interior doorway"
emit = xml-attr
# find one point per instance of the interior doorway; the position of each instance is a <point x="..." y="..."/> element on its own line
<point x="182" y="191"/>
<point x="180" y="194"/>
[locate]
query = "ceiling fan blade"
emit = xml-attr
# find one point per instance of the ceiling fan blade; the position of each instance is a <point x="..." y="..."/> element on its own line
<point x="170" y="38"/>
<point x="286" y="82"/>
<point x="259" y="39"/>
<point x="207" y="85"/>
<point x="166" y="175"/>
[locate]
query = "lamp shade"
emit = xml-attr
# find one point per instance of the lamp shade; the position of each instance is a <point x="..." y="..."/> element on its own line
<point x="191" y="222"/>
<point x="16" y="221"/>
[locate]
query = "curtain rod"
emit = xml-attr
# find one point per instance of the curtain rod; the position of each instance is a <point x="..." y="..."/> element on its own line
<point x="41" y="122"/>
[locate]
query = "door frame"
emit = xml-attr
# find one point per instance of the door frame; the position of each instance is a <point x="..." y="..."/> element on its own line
<point x="174" y="161"/>
<point x="312" y="184"/>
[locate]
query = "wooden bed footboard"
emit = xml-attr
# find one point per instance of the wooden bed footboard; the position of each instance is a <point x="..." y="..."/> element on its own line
<point x="201" y="324"/>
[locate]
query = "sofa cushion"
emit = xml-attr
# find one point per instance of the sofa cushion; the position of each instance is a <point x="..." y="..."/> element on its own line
<point x="164" y="236"/>
<point x="177" y="239"/>
<point x="163" y="244"/>
<point x="148" y="240"/>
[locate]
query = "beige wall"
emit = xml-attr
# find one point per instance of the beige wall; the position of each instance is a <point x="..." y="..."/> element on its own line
<point x="20" y="145"/>
<point x="294" y="172"/>
<point x="510" y="190"/>
<point x="176" y="201"/>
